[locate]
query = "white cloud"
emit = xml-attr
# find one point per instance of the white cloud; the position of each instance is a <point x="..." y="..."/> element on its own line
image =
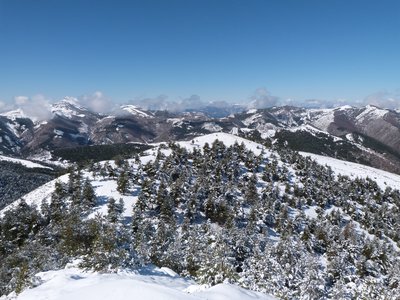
<point x="384" y="99"/>
<point x="21" y="100"/>
<point x="161" y="103"/>
<point x="156" y="103"/>
<point x="37" y="107"/>
<point x="97" y="102"/>
<point x="3" y="106"/>
<point x="263" y="99"/>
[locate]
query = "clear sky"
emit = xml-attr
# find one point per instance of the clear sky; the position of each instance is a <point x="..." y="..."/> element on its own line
<point x="217" y="49"/>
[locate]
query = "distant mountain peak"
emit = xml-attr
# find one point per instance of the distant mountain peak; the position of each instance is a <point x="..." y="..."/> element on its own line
<point x="68" y="107"/>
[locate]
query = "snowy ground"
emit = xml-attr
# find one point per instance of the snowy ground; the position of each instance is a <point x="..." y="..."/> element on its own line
<point x="147" y="284"/>
<point x="25" y="163"/>
<point x="353" y="170"/>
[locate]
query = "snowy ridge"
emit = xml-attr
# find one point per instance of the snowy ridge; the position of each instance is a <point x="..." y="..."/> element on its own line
<point x="147" y="284"/>
<point x="354" y="170"/>
<point x="14" y="114"/>
<point x="371" y="111"/>
<point x="25" y="163"/>
<point x="314" y="130"/>
<point x="134" y="110"/>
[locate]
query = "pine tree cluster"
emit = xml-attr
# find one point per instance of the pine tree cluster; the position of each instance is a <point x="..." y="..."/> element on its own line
<point x="277" y="223"/>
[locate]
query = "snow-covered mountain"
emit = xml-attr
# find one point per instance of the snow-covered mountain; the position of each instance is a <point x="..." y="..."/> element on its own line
<point x="368" y="135"/>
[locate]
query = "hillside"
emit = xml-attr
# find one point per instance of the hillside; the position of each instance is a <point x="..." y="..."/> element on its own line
<point x="218" y="208"/>
<point x="18" y="177"/>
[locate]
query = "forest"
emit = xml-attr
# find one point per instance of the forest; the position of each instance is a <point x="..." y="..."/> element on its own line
<point x="277" y="222"/>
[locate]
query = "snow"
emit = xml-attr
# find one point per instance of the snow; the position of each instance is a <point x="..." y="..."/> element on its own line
<point x="25" y="163"/>
<point x="371" y="111"/>
<point x="325" y="120"/>
<point x="314" y="130"/>
<point x="344" y="107"/>
<point x="68" y="107"/>
<point x="230" y="292"/>
<point x="149" y="283"/>
<point x="106" y="189"/>
<point x="251" y="119"/>
<point x="235" y="131"/>
<point x="134" y="110"/>
<point x="176" y="121"/>
<point x="251" y="111"/>
<point x="350" y="137"/>
<point x="212" y="127"/>
<point x="14" y="128"/>
<point x="58" y="132"/>
<point x="354" y="170"/>
<point x="14" y="114"/>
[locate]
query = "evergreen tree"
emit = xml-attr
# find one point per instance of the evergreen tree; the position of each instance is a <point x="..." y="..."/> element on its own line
<point x="88" y="194"/>
<point x="123" y="182"/>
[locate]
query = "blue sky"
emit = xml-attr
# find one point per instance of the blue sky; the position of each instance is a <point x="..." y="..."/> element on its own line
<point x="219" y="50"/>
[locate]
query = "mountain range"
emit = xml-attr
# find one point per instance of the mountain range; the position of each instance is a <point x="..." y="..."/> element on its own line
<point x="369" y="135"/>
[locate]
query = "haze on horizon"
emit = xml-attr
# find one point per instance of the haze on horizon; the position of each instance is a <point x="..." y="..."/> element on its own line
<point x="310" y="52"/>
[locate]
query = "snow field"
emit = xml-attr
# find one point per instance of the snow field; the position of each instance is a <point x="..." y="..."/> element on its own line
<point x="147" y="284"/>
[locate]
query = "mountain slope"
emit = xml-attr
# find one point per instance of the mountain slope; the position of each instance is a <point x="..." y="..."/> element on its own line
<point x="220" y="209"/>
<point x="18" y="177"/>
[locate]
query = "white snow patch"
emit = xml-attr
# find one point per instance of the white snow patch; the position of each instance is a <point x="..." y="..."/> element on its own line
<point x="251" y="119"/>
<point x="106" y="189"/>
<point x="212" y="127"/>
<point x="134" y="110"/>
<point x="58" y="132"/>
<point x="147" y="284"/>
<point x="313" y="130"/>
<point x="175" y="121"/>
<point x="235" y="131"/>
